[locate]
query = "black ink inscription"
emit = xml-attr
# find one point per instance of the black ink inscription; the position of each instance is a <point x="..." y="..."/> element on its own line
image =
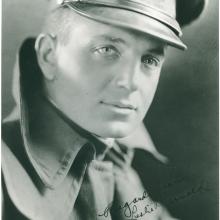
<point x="131" y="210"/>
<point x="189" y="193"/>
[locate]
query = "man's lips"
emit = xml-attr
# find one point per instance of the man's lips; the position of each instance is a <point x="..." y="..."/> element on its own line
<point x="120" y="104"/>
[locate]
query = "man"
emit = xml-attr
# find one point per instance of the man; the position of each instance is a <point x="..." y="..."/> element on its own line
<point x="81" y="97"/>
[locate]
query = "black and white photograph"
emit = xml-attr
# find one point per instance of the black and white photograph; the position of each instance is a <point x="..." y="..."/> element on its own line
<point x="110" y="110"/>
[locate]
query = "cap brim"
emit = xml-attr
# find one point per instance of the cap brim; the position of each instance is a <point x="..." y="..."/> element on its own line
<point x="131" y="20"/>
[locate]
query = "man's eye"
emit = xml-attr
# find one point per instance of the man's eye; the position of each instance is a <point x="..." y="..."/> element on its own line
<point x="106" y="51"/>
<point x="150" y="61"/>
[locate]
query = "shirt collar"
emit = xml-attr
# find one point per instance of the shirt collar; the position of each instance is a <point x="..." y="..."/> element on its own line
<point x="51" y="143"/>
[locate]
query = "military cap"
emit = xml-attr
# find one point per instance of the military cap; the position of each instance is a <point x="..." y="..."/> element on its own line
<point x="162" y="19"/>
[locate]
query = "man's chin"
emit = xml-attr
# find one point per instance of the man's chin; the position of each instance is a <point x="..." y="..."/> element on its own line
<point x="116" y="131"/>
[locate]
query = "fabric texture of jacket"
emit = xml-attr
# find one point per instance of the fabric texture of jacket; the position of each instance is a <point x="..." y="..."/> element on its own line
<point x="54" y="170"/>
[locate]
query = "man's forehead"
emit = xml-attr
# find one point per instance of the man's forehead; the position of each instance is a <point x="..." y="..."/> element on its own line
<point x="127" y="38"/>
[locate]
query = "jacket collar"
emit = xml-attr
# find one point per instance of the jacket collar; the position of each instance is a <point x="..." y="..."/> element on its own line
<point x="50" y="140"/>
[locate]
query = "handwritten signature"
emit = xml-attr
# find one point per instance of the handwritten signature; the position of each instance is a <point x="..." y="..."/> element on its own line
<point x="131" y="209"/>
<point x="201" y="188"/>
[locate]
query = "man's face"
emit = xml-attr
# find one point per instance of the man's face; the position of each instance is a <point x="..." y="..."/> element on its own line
<point x="106" y="77"/>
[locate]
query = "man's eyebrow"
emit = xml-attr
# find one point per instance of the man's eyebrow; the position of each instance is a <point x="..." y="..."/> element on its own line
<point x="160" y="50"/>
<point x="112" y="39"/>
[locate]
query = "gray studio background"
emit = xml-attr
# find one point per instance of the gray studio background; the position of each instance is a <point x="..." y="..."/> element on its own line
<point x="183" y="119"/>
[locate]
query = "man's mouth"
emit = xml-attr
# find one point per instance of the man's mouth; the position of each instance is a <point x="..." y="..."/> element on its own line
<point x="120" y="104"/>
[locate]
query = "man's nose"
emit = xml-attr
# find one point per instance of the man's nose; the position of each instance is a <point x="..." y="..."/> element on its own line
<point x="128" y="76"/>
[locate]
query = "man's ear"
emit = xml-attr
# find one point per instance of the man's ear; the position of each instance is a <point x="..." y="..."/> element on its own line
<point x="45" y="47"/>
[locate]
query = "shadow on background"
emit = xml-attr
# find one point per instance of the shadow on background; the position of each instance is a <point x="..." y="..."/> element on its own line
<point x="183" y="119"/>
